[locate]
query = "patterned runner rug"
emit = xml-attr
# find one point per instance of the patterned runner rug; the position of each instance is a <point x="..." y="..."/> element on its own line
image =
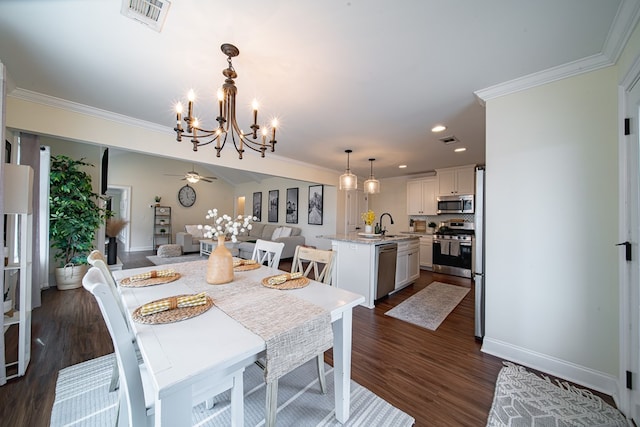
<point x="429" y="307"/>
<point x="524" y="399"/>
<point x="83" y="399"/>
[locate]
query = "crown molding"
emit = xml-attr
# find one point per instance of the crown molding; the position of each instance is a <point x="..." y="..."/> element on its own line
<point x="560" y="72"/>
<point x="623" y="25"/>
<point x="63" y="104"/>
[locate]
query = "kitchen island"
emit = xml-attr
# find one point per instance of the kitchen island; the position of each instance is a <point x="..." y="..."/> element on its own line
<point x="356" y="266"/>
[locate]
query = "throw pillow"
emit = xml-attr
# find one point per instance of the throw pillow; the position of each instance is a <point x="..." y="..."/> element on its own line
<point x="194" y="231"/>
<point x="276" y="233"/>
<point x="286" y="232"/>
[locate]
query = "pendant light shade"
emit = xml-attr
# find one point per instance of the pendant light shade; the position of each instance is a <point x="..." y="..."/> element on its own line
<point x="372" y="185"/>
<point x="348" y="181"/>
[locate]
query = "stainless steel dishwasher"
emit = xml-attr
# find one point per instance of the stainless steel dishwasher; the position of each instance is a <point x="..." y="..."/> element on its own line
<point x="386" y="256"/>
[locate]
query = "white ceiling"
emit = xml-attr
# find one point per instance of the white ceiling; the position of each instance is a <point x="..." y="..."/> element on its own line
<point x="373" y="76"/>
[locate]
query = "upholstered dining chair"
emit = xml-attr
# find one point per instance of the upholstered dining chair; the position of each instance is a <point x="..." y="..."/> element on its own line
<point x="267" y="251"/>
<point x="136" y="389"/>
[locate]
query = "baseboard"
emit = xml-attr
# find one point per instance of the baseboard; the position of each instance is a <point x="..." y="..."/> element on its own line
<point x="140" y="248"/>
<point x="577" y="374"/>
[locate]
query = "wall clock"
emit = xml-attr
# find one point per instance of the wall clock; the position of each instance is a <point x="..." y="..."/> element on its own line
<point x="187" y="196"/>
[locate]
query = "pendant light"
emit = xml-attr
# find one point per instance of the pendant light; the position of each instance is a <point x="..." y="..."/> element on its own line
<point x="348" y="181"/>
<point x="372" y="185"/>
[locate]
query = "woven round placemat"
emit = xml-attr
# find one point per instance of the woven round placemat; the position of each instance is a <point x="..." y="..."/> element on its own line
<point x="127" y="283"/>
<point x="247" y="267"/>
<point x="170" y="316"/>
<point x="298" y="283"/>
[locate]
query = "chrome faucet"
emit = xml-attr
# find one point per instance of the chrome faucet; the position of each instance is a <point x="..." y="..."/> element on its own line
<point x="384" y="230"/>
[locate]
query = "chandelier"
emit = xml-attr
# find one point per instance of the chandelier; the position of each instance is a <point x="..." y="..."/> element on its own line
<point x="227" y="124"/>
<point x="372" y="185"/>
<point x="348" y="181"/>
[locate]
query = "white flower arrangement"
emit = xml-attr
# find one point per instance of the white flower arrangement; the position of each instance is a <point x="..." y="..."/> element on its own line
<point x="225" y="225"/>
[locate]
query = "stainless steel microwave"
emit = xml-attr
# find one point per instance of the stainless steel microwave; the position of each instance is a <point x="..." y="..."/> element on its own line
<point x="455" y="204"/>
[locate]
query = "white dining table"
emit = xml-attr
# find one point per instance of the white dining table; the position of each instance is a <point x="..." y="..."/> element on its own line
<point x="189" y="357"/>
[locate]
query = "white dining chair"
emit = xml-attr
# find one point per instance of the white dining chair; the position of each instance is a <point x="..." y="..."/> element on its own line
<point x="267" y="251"/>
<point x="305" y="260"/>
<point x="137" y="404"/>
<point x="319" y="261"/>
<point x="96" y="259"/>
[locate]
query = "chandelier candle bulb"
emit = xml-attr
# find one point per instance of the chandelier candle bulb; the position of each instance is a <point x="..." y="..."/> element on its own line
<point x="220" y="99"/>
<point x="191" y="96"/>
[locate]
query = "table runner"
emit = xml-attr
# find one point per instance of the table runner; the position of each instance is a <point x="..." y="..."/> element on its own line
<point x="293" y="329"/>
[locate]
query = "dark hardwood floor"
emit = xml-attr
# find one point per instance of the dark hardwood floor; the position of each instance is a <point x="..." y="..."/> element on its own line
<point x="441" y="377"/>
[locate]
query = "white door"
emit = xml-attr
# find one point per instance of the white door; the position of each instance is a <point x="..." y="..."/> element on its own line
<point x="356" y="203"/>
<point x="630" y="270"/>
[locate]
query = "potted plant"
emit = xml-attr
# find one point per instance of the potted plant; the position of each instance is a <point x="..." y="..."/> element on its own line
<point x="162" y="231"/>
<point x="157" y="199"/>
<point x="432" y="226"/>
<point x="73" y="219"/>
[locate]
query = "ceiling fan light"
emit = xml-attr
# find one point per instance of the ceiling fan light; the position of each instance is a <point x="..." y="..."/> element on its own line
<point x="192" y="179"/>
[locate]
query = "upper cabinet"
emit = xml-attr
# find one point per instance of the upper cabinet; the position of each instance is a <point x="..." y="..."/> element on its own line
<point x="421" y="196"/>
<point x="455" y="181"/>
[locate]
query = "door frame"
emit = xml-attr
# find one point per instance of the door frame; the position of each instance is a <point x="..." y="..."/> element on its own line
<point x="629" y="230"/>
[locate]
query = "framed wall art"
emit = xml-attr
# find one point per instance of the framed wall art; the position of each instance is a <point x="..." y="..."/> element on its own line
<point x="273" y="205"/>
<point x="315" y="204"/>
<point x="257" y="206"/>
<point x="292" y="206"/>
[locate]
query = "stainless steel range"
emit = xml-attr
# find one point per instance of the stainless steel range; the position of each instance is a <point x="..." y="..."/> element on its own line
<point x="452" y="248"/>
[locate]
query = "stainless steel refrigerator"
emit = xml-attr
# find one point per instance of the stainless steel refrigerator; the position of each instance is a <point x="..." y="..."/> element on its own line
<point x="479" y="252"/>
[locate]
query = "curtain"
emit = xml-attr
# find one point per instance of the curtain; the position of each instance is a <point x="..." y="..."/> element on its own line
<point x="30" y="155"/>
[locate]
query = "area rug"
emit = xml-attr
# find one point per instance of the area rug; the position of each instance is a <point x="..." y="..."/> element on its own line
<point x="429" y="307"/>
<point x="83" y="399"/>
<point x="159" y="260"/>
<point x="522" y="398"/>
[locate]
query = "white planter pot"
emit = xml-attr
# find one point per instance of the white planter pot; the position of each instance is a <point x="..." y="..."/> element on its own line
<point x="8" y="305"/>
<point x="70" y="276"/>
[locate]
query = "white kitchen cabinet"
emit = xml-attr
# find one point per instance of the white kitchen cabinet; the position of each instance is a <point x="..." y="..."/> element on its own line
<point x="421" y="196"/>
<point x="426" y="252"/>
<point x="408" y="263"/>
<point x="458" y="180"/>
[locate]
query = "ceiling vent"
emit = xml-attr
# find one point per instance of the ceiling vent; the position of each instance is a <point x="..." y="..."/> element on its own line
<point x="151" y="13"/>
<point x="448" y="139"/>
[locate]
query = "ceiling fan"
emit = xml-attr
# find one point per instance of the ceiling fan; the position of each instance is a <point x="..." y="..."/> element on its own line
<point x="193" y="176"/>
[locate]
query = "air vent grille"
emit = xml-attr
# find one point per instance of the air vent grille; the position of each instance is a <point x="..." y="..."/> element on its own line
<point x="448" y="139"/>
<point x="151" y="13"/>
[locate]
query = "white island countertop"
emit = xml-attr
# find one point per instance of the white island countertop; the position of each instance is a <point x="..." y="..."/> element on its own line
<point x="356" y="238"/>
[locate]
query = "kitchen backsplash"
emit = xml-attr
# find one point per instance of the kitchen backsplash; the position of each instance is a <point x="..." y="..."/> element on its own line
<point x="440" y="218"/>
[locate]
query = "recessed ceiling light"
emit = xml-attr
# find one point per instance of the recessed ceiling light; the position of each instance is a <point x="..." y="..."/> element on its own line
<point x="460" y="150"/>
<point x="402" y="166"/>
<point x="438" y="128"/>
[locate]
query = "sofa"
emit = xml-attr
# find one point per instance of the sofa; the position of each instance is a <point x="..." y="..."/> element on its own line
<point x="190" y="238"/>
<point x="290" y="236"/>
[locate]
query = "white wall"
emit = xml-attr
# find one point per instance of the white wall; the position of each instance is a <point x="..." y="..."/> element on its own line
<point x="552" y="212"/>
<point x="309" y="231"/>
<point x="147" y="176"/>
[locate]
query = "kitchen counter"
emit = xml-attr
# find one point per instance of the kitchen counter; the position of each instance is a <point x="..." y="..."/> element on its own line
<point x="418" y="233"/>
<point x="355" y="238"/>
<point x="356" y="263"/>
